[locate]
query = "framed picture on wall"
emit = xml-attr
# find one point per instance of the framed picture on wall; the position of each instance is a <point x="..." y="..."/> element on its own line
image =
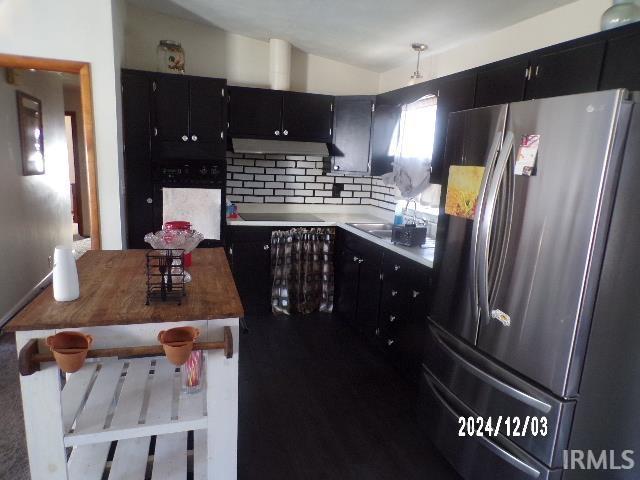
<point x="31" y="134"/>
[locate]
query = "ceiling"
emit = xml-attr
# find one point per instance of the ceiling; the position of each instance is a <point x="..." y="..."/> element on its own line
<point x="373" y="34"/>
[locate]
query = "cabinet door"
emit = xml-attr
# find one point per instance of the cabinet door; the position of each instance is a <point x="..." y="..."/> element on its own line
<point x="172" y="108"/>
<point x="456" y="93"/>
<point x="251" y="265"/>
<point x="411" y="334"/>
<point x="621" y="67"/>
<point x="386" y="120"/>
<point x="306" y="116"/>
<point x="255" y="112"/>
<point x="369" y="285"/>
<point x="567" y="71"/>
<point x="347" y="277"/>
<point x="352" y="133"/>
<point x="504" y="82"/>
<point x="136" y="98"/>
<point x="206" y="120"/>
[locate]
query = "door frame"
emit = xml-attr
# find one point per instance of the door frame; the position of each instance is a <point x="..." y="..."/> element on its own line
<point x="83" y="70"/>
<point x="76" y="168"/>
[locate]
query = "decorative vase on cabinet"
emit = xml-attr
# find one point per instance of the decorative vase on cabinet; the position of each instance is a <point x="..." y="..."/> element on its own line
<point x="620" y="13"/>
<point x="171" y="57"/>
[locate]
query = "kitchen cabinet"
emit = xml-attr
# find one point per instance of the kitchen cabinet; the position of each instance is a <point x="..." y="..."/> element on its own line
<point x="621" y="68"/>
<point x="275" y="114"/>
<point x="189" y="116"/>
<point x="249" y="252"/>
<point x="255" y="112"/>
<point x="352" y="133"/>
<point x="455" y="93"/>
<point x="307" y="116"/>
<point x="386" y="119"/>
<point x="403" y="312"/>
<point x="136" y="114"/>
<point x="502" y="82"/>
<point x="573" y="69"/>
<point x="357" y="283"/>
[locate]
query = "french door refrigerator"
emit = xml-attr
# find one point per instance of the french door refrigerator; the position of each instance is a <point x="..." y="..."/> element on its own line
<point x="535" y="302"/>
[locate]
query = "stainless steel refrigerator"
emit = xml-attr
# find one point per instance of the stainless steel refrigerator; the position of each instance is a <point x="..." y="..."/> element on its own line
<point x="536" y="310"/>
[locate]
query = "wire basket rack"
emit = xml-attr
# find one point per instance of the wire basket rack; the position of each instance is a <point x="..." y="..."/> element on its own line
<point x="165" y="275"/>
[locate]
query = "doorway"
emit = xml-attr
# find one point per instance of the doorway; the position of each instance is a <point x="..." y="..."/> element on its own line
<point x="84" y="128"/>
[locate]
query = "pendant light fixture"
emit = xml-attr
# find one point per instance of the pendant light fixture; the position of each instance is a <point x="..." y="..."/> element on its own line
<point x="415" y="78"/>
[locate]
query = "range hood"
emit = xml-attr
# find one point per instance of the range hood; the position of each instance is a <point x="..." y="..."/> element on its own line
<point x="286" y="147"/>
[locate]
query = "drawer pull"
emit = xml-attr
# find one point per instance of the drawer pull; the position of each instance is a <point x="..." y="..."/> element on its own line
<point x="394" y="293"/>
<point x="415" y="293"/>
<point x="390" y="342"/>
<point x="396" y="267"/>
<point x="392" y="318"/>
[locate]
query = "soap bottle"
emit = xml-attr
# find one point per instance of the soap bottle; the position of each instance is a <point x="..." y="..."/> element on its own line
<point x="398" y="216"/>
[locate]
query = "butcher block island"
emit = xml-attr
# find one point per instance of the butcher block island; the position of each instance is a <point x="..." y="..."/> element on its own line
<point x="124" y="413"/>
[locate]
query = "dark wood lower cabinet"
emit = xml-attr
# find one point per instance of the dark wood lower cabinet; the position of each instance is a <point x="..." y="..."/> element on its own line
<point x="384" y="296"/>
<point x="249" y="251"/>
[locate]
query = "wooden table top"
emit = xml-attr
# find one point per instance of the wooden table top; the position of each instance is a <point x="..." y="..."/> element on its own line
<point x="113" y="292"/>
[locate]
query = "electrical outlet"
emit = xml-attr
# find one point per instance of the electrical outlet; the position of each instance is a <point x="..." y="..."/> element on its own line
<point x="336" y="189"/>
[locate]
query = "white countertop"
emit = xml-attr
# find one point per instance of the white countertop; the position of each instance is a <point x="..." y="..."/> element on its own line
<point x="337" y="216"/>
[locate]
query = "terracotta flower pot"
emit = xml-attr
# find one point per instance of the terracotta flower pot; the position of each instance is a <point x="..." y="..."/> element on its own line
<point x="178" y="343"/>
<point x="69" y="349"/>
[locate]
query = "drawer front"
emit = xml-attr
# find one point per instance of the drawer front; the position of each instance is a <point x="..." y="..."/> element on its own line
<point x="475" y="457"/>
<point x="490" y="391"/>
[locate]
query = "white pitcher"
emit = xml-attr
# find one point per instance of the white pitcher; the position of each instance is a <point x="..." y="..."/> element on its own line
<point x="65" y="275"/>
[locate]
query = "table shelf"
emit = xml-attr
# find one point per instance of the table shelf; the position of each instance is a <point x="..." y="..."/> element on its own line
<point x="111" y="400"/>
<point x="133" y="459"/>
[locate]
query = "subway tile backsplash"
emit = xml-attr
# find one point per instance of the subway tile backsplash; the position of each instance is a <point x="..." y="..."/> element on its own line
<point x="297" y="179"/>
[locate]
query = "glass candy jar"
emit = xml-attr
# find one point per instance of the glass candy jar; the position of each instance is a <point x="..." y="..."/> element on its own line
<point x="170" y="57"/>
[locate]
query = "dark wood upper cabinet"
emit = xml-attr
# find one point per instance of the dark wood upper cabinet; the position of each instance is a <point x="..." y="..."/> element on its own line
<point x="190" y="115"/>
<point x="255" y="112"/>
<point x="503" y="82"/>
<point x="621" y="68"/>
<point x="352" y="133"/>
<point x="262" y="113"/>
<point x="171" y="94"/>
<point x="455" y="93"/>
<point x="307" y="116"/>
<point x="575" y="69"/>
<point x="385" y="121"/>
<point x="207" y="103"/>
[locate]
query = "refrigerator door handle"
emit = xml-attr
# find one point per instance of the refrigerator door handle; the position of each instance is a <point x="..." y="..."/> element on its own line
<point x="486" y="221"/>
<point x="490" y="380"/>
<point x="506" y="456"/>
<point x="489" y="164"/>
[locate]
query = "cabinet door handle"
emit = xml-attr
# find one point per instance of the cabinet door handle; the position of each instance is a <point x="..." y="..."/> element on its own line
<point x="285" y="132"/>
<point x="155" y="131"/>
<point x="277" y="132"/>
<point x="394" y="293"/>
<point x="194" y="138"/>
<point x="265" y="247"/>
<point x="392" y="318"/>
<point x="415" y="293"/>
<point x="184" y="138"/>
<point x="149" y="200"/>
<point x="390" y="342"/>
<point x="355" y="259"/>
<point x="377" y="332"/>
<point x="537" y="70"/>
<point x="396" y="267"/>
<point x="360" y="260"/>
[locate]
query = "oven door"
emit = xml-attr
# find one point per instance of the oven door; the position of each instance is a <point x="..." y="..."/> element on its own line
<point x="203" y="206"/>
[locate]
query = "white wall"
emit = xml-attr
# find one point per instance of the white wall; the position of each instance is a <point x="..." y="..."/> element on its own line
<point x="213" y="52"/>
<point x="77" y="30"/>
<point x="35" y="211"/>
<point x="565" y="23"/>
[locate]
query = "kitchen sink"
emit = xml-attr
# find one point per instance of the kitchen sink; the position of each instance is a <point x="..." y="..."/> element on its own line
<point x="380" y="230"/>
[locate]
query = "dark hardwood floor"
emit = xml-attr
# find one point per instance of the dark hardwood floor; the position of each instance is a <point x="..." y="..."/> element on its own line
<point x="316" y="403"/>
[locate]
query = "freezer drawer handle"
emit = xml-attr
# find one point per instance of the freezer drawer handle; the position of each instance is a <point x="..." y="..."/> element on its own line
<point x="503" y="454"/>
<point x="488" y="379"/>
